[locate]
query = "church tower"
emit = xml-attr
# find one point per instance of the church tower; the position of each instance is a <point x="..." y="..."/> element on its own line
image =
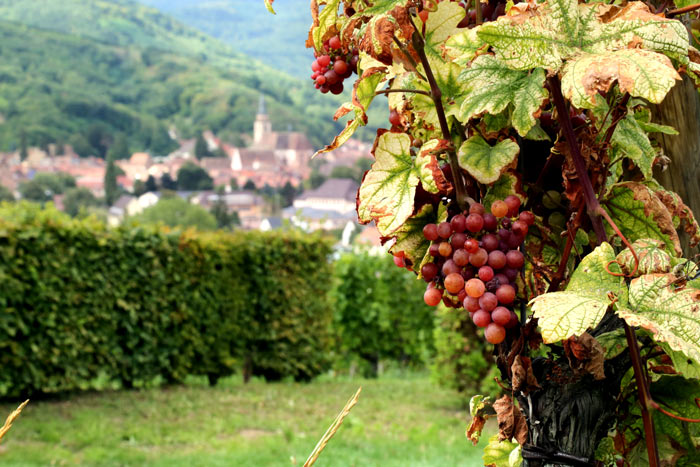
<point x="262" y="126"/>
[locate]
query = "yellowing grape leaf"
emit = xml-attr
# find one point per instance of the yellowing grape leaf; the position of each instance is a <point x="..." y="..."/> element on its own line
<point x="409" y="237"/>
<point x="640" y="214"/>
<point x="502" y="453"/>
<point x="388" y="189"/>
<point x="484" y="162"/>
<point x="463" y="46"/>
<point x="327" y="23"/>
<point x="480" y="409"/>
<point x="671" y="316"/>
<point x="441" y="24"/>
<point x="651" y="255"/>
<point x="362" y="95"/>
<point x="641" y="73"/>
<point x="492" y="86"/>
<point x="599" y="43"/>
<point x="431" y="176"/>
<point x="680" y="212"/>
<point x="584" y="302"/>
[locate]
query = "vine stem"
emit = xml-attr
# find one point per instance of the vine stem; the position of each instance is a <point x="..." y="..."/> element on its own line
<point x="592" y="204"/>
<point x="559" y="275"/>
<point x="436" y="94"/>
<point x="680" y="11"/>
<point x="415" y="91"/>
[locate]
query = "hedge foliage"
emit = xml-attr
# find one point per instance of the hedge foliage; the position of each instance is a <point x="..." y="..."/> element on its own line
<point x="379" y="313"/>
<point x="81" y="305"/>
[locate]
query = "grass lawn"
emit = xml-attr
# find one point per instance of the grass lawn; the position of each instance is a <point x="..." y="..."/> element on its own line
<point x="399" y="421"/>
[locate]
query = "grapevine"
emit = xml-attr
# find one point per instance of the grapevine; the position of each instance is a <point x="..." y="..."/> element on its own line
<point x="516" y="173"/>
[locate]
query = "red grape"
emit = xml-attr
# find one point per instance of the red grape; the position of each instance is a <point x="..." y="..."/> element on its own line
<point x="515" y="259"/>
<point x="337" y="88"/>
<point x="505" y="294"/>
<point x="501" y="315"/>
<point x="429" y="271"/>
<point x="513" y="202"/>
<point x="519" y="228"/>
<point x="515" y="240"/>
<point x="499" y="208"/>
<point x="471" y="245"/>
<point x="315" y="66"/>
<point x="434" y="250"/>
<point x="471" y="304"/>
<point x="475" y="288"/>
<point x="321" y="80"/>
<point x="502" y="278"/>
<point x="430" y="232"/>
<point x="514" y="321"/>
<point x="444" y="229"/>
<point x="527" y="217"/>
<point x="477" y="208"/>
<point x="334" y="42"/>
<point x="490" y="222"/>
<point x="324" y="89"/>
<point x="475" y="222"/>
<point x="479" y="258"/>
<point x="462" y="295"/>
<point x="445" y="249"/>
<point x="454" y="283"/>
<point x="331" y="77"/>
<point x="495" y="334"/>
<point x="461" y="257"/>
<point x="481" y="318"/>
<point x="459" y="223"/>
<point x="324" y="61"/>
<point x="468" y="273"/>
<point x="511" y="273"/>
<point x="489" y="242"/>
<point x="394" y="118"/>
<point x="432" y="297"/>
<point x="450" y="267"/>
<point x="485" y="273"/>
<point x="340" y="67"/>
<point x="398" y="260"/>
<point x="505" y="222"/>
<point x="457" y="240"/>
<point x="488" y="301"/>
<point x="497" y="259"/>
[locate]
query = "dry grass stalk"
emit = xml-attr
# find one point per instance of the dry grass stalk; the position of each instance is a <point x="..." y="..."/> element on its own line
<point x="332" y="429"/>
<point x="11" y="418"/>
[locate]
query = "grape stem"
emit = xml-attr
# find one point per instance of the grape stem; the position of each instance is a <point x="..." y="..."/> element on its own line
<point x="436" y="94"/>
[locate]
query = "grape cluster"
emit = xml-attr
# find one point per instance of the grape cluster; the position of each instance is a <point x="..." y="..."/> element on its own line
<point x="333" y="65"/>
<point x="476" y="260"/>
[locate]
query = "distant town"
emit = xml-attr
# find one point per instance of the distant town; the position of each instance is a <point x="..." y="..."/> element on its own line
<point x="270" y="182"/>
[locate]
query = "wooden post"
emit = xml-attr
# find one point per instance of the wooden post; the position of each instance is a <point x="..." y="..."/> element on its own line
<point x="681" y="110"/>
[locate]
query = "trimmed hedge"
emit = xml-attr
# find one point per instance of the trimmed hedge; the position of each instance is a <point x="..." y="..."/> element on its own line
<point x="82" y="306"/>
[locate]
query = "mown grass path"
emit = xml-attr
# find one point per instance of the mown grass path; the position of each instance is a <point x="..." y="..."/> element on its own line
<point x="400" y="421"/>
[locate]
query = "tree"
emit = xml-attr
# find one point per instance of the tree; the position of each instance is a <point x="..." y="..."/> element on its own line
<point x="44" y="186"/>
<point x="316" y="179"/>
<point x="110" y="181"/>
<point x="224" y="220"/>
<point x="250" y="185"/>
<point x="139" y="188"/>
<point x="6" y="194"/>
<point x="167" y="182"/>
<point x="546" y="108"/>
<point x="201" y="149"/>
<point x="192" y="177"/>
<point x="23" y="146"/>
<point x="77" y="200"/>
<point x="176" y="212"/>
<point x="343" y="171"/>
<point x="81" y="145"/>
<point x="119" y="149"/>
<point x="151" y="184"/>
<point x="234" y="184"/>
<point x="288" y="193"/>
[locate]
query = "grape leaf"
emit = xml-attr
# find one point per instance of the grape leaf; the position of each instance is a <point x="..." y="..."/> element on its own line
<point x="484" y="162"/>
<point x="507" y="184"/>
<point x="481" y="410"/>
<point x="630" y="138"/>
<point x="431" y="176"/>
<point x="380" y="7"/>
<point x="639" y="214"/>
<point x="388" y="189"/>
<point x="584" y="302"/>
<point x="327" y="20"/>
<point x="362" y="95"/>
<point x="463" y="46"/>
<point x="502" y="453"/>
<point x="377" y="35"/>
<point x="441" y="24"/>
<point x="643" y="117"/>
<point x="681" y="213"/>
<point x="651" y="255"/>
<point x="678" y="394"/>
<point x="639" y="72"/>
<point x="685" y="366"/>
<point x="613" y="342"/>
<point x="492" y="86"/>
<point x="672" y="316"/>
<point x="409" y="237"/>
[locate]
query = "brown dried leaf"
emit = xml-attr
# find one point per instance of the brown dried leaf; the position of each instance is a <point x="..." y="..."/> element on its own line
<point x="586" y="355"/>
<point x="523" y="377"/>
<point x="474" y="429"/>
<point x="511" y="422"/>
<point x="679" y="209"/>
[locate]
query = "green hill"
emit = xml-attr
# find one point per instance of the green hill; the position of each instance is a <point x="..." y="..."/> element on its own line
<point x="83" y="70"/>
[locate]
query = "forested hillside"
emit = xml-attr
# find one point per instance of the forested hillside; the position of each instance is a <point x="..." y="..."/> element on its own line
<point x="80" y="71"/>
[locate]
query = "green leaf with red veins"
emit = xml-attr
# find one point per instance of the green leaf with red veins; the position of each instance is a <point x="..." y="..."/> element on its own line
<point x="639" y="214"/>
<point x="431" y="176"/>
<point x="584" y="302"/>
<point x="328" y="19"/>
<point x="507" y="184"/>
<point x="492" y="87"/>
<point x="388" y="189"/>
<point x="484" y="162"/>
<point x="463" y="46"/>
<point x="442" y="24"/>
<point x="363" y="94"/>
<point x="410" y="239"/>
<point x="641" y="73"/>
<point x="671" y="316"/>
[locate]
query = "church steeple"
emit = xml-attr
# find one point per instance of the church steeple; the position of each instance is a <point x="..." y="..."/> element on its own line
<point x="262" y="126"/>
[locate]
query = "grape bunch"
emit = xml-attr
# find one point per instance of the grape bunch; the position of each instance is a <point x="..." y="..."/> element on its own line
<point x="476" y="261"/>
<point x="333" y="65"/>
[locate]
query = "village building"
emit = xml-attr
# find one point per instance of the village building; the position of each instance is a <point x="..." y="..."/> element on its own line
<point x="330" y="206"/>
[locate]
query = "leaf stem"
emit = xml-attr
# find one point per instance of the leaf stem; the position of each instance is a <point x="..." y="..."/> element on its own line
<point x="680" y="11"/>
<point x="592" y="204"/>
<point x="407" y="54"/>
<point x="436" y="94"/>
<point x="645" y="401"/>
